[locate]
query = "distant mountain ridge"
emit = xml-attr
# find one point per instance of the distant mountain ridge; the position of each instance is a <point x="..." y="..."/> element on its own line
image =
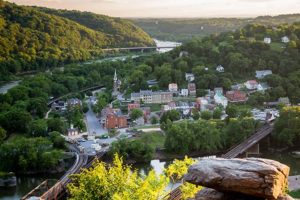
<point x="34" y="38"/>
<point x="184" y="29"/>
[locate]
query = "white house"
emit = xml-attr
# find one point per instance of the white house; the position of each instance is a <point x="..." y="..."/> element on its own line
<point x="261" y="74"/>
<point x="184" y="92"/>
<point x="285" y="39"/>
<point x="189" y="77"/>
<point x="220" y="69"/>
<point x="220" y="100"/>
<point x="173" y="87"/>
<point x="267" y="40"/>
<point x="262" y="87"/>
<point x="251" y="85"/>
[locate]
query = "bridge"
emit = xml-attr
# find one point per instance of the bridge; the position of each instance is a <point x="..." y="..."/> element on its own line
<point x="139" y="48"/>
<point x="234" y="152"/>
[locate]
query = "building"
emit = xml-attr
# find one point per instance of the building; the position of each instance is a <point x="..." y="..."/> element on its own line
<point x="113" y="120"/>
<point x="220" y="69"/>
<point x="173" y="87"/>
<point x="189" y="77"/>
<point x="149" y="97"/>
<point x="285" y="39"/>
<point x="74" y="102"/>
<point x="184" y="92"/>
<point x="262" y="87"/>
<point x="261" y="74"/>
<point x="152" y="83"/>
<point x="192" y="89"/>
<point x="201" y="103"/>
<point x="267" y="40"/>
<point x="220" y="100"/>
<point x="236" y="96"/>
<point x="117" y="85"/>
<point x="72" y="131"/>
<point x="284" y="100"/>
<point x="219" y="90"/>
<point x="251" y="85"/>
<point x="132" y="106"/>
<point x="59" y="106"/>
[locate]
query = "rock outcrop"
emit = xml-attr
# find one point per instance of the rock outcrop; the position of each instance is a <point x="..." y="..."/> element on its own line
<point x="255" y="177"/>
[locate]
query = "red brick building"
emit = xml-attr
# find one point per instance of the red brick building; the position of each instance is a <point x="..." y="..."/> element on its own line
<point x="236" y="96"/>
<point x="132" y="106"/>
<point x="115" y="121"/>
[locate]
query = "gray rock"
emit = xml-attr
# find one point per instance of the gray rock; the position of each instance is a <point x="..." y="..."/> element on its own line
<point x="252" y="176"/>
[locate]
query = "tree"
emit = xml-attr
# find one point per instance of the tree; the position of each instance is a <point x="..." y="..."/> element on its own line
<point x="232" y="111"/>
<point x="2" y="134"/>
<point x="153" y="120"/>
<point x="206" y="115"/>
<point x="136" y="113"/>
<point x="172" y="115"/>
<point x="119" y="182"/>
<point x="195" y="114"/>
<point x="217" y="113"/>
<point x="38" y="128"/>
<point x="56" y="124"/>
<point x="85" y="107"/>
<point x="57" y="140"/>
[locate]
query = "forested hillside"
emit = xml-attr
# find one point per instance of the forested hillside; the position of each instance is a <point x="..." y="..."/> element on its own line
<point x="123" y="31"/>
<point x="31" y="39"/>
<point x="185" y="29"/>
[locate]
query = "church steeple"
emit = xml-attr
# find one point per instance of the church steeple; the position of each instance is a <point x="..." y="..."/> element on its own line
<point x="115" y="76"/>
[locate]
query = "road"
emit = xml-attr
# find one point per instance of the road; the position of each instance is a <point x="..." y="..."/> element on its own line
<point x="93" y="124"/>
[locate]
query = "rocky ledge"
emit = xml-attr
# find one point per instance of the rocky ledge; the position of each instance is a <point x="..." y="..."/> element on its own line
<point x="251" y="178"/>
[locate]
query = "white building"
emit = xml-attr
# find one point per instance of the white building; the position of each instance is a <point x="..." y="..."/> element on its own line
<point x="220" y="100"/>
<point x="220" y="69"/>
<point x="251" y="85"/>
<point x="173" y="87"/>
<point x="267" y="40"/>
<point x="261" y="74"/>
<point x="184" y="92"/>
<point x="189" y="77"/>
<point x="285" y="39"/>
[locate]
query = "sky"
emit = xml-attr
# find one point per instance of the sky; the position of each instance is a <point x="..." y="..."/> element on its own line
<point x="173" y="8"/>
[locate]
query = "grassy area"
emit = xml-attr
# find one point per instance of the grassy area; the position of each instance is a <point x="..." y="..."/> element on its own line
<point x="153" y="107"/>
<point x="145" y="127"/>
<point x="154" y="139"/>
<point x="185" y="99"/>
<point x="295" y="194"/>
<point x="277" y="46"/>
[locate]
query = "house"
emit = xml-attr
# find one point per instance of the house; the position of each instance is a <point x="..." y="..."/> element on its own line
<point x="261" y="74"/>
<point x="262" y="87"/>
<point x="114" y="120"/>
<point x="251" y="85"/>
<point x="173" y="87"/>
<point x="220" y="100"/>
<point x="236" y="96"/>
<point x="149" y="97"/>
<point x="72" y="131"/>
<point x="152" y="83"/>
<point x="285" y="39"/>
<point x="74" y="102"/>
<point x="267" y="40"/>
<point x="192" y="89"/>
<point x="219" y="90"/>
<point x="59" y="106"/>
<point x="169" y="106"/>
<point x="189" y="77"/>
<point x="183" y="54"/>
<point x="220" y="69"/>
<point x="284" y="100"/>
<point x="184" y="92"/>
<point x="132" y="106"/>
<point x="201" y="103"/>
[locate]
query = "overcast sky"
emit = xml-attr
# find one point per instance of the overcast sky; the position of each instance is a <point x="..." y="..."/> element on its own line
<point x="174" y="8"/>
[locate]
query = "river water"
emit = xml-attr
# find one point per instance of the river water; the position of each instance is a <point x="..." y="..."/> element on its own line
<point x="6" y="87"/>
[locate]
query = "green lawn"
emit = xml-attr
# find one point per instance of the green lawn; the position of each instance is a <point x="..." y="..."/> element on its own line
<point x="295" y="194"/>
<point x="277" y="46"/>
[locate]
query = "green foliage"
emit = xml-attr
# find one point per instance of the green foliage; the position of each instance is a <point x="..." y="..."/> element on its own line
<point x="136" y="113"/>
<point x="56" y="124"/>
<point x="195" y="114"/>
<point x="34" y="38"/>
<point x="217" y="113"/>
<point x="232" y="111"/>
<point x="172" y="115"/>
<point x="38" y="128"/>
<point x="295" y="194"/>
<point x="121" y="182"/>
<point x="57" y="140"/>
<point x="187" y="136"/>
<point x="206" y="115"/>
<point x="28" y="154"/>
<point x="287" y="127"/>
<point x="2" y="134"/>
<point x="85" y="107"/>
<point x="154" y="120"/>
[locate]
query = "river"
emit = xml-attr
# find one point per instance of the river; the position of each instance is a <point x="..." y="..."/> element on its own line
<point x="7" y="86"/>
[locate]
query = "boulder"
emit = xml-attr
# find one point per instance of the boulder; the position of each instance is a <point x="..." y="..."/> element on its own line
<point x="251" y="176"/>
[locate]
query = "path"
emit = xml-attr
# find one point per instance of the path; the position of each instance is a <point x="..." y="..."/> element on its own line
<point x="93" y="124"/>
